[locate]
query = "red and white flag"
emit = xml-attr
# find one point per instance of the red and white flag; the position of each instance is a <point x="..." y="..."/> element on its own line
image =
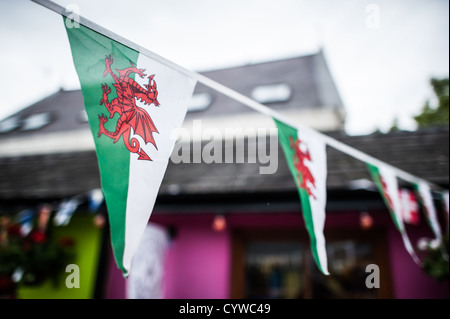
<point x="445" y="200"/>
<point x="307" y="160"/>
<point x="409" y="207"/>
<point x="386" y="181"/>
<point x="134" y="104"/>
<point x="424" y="193"/>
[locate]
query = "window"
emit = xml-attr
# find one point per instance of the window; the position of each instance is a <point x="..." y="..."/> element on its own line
<point x="272" y="93"/>
<point x="35" y="121"/>
<point x="199" y="101"/>
<point x="278" y="264"/>
<point x="274" y="270"/>
<point x="9" y="124"/>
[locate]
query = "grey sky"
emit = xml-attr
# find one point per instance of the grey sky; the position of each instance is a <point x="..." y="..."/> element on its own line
<point x="381" y="72"/>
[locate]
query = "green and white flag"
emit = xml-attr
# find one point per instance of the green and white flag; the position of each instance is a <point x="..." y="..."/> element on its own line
<point x="386" y="181"/>
<point x="445" y="204"/>
<point x="307" y="160"/>
<point x="133" y="103"/>
<point x="424" y="193"/>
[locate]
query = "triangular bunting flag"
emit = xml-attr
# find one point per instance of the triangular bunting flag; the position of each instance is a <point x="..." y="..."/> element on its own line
<point x="409" y="207"/>
<point x="306" y="157"/>
<point x="387" y="184"/>
<point x="95" y="199"/>
<point x="133" y="103"/>
<point x="424" y="193"/>
<point x="26" y="220"/>
<point x="65" y="211"/>
<point x="445" y="203"/>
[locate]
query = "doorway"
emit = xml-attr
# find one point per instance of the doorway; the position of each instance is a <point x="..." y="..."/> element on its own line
<point x="278" y="264"/>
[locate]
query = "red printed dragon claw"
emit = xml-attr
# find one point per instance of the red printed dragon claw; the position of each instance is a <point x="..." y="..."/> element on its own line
<point x="108" y="62"/>
<point x="102" y="118"/>
<point x="106" y="88"/>
<point x="106" y="91"/>
<point x="305" y="178"/>
<point x="132" y="118"/>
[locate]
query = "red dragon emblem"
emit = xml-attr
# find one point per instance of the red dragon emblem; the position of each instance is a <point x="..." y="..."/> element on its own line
<point x="386" y="193"/>
<point x="305" y="179"/>
<point x="131" y="115"/>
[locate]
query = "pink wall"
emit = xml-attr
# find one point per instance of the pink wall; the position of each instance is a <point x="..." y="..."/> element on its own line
<point x="409" y="280"/>
<point x="198" y="261"/>
<point x="197" y="264"/>
<point x="115" y="282"/>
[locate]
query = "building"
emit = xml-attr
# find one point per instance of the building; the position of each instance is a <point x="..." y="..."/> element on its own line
<point x="233" y="228"/>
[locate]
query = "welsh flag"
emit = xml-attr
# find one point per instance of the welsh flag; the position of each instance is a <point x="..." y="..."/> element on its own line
<point x="306" y="157"/>
<point x="445" y="204"/>
<point x="133" y="103"/>
<point x="409" y="206"/>
<point x="445" y="199"/>
<point x="387" y="184"/>
<point x="424" y="193"/>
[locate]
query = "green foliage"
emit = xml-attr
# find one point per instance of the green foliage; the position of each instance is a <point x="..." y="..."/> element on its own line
<point x="434" y="263"/>
<point x="394" y="127"/>
<point x="436" y="116"/>
<point x="32" y="258"/>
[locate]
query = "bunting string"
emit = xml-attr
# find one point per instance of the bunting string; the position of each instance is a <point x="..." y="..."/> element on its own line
<point x="299" y="172"/>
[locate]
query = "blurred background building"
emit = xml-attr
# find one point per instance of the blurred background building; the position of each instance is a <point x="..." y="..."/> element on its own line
<point x="226" y="230"/>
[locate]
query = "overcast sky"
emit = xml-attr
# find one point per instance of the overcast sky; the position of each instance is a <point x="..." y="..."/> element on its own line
<point x="381" y="54"/>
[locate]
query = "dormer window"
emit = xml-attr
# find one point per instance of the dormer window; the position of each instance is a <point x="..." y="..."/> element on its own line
<point x="9" y="124"/>
<point x="199" y="102"/>
<point x="36" y="121"/>
<point x="272" y="93"/>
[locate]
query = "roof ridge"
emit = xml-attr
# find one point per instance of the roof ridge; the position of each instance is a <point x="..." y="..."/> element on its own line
<point x="268" y="61"/>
